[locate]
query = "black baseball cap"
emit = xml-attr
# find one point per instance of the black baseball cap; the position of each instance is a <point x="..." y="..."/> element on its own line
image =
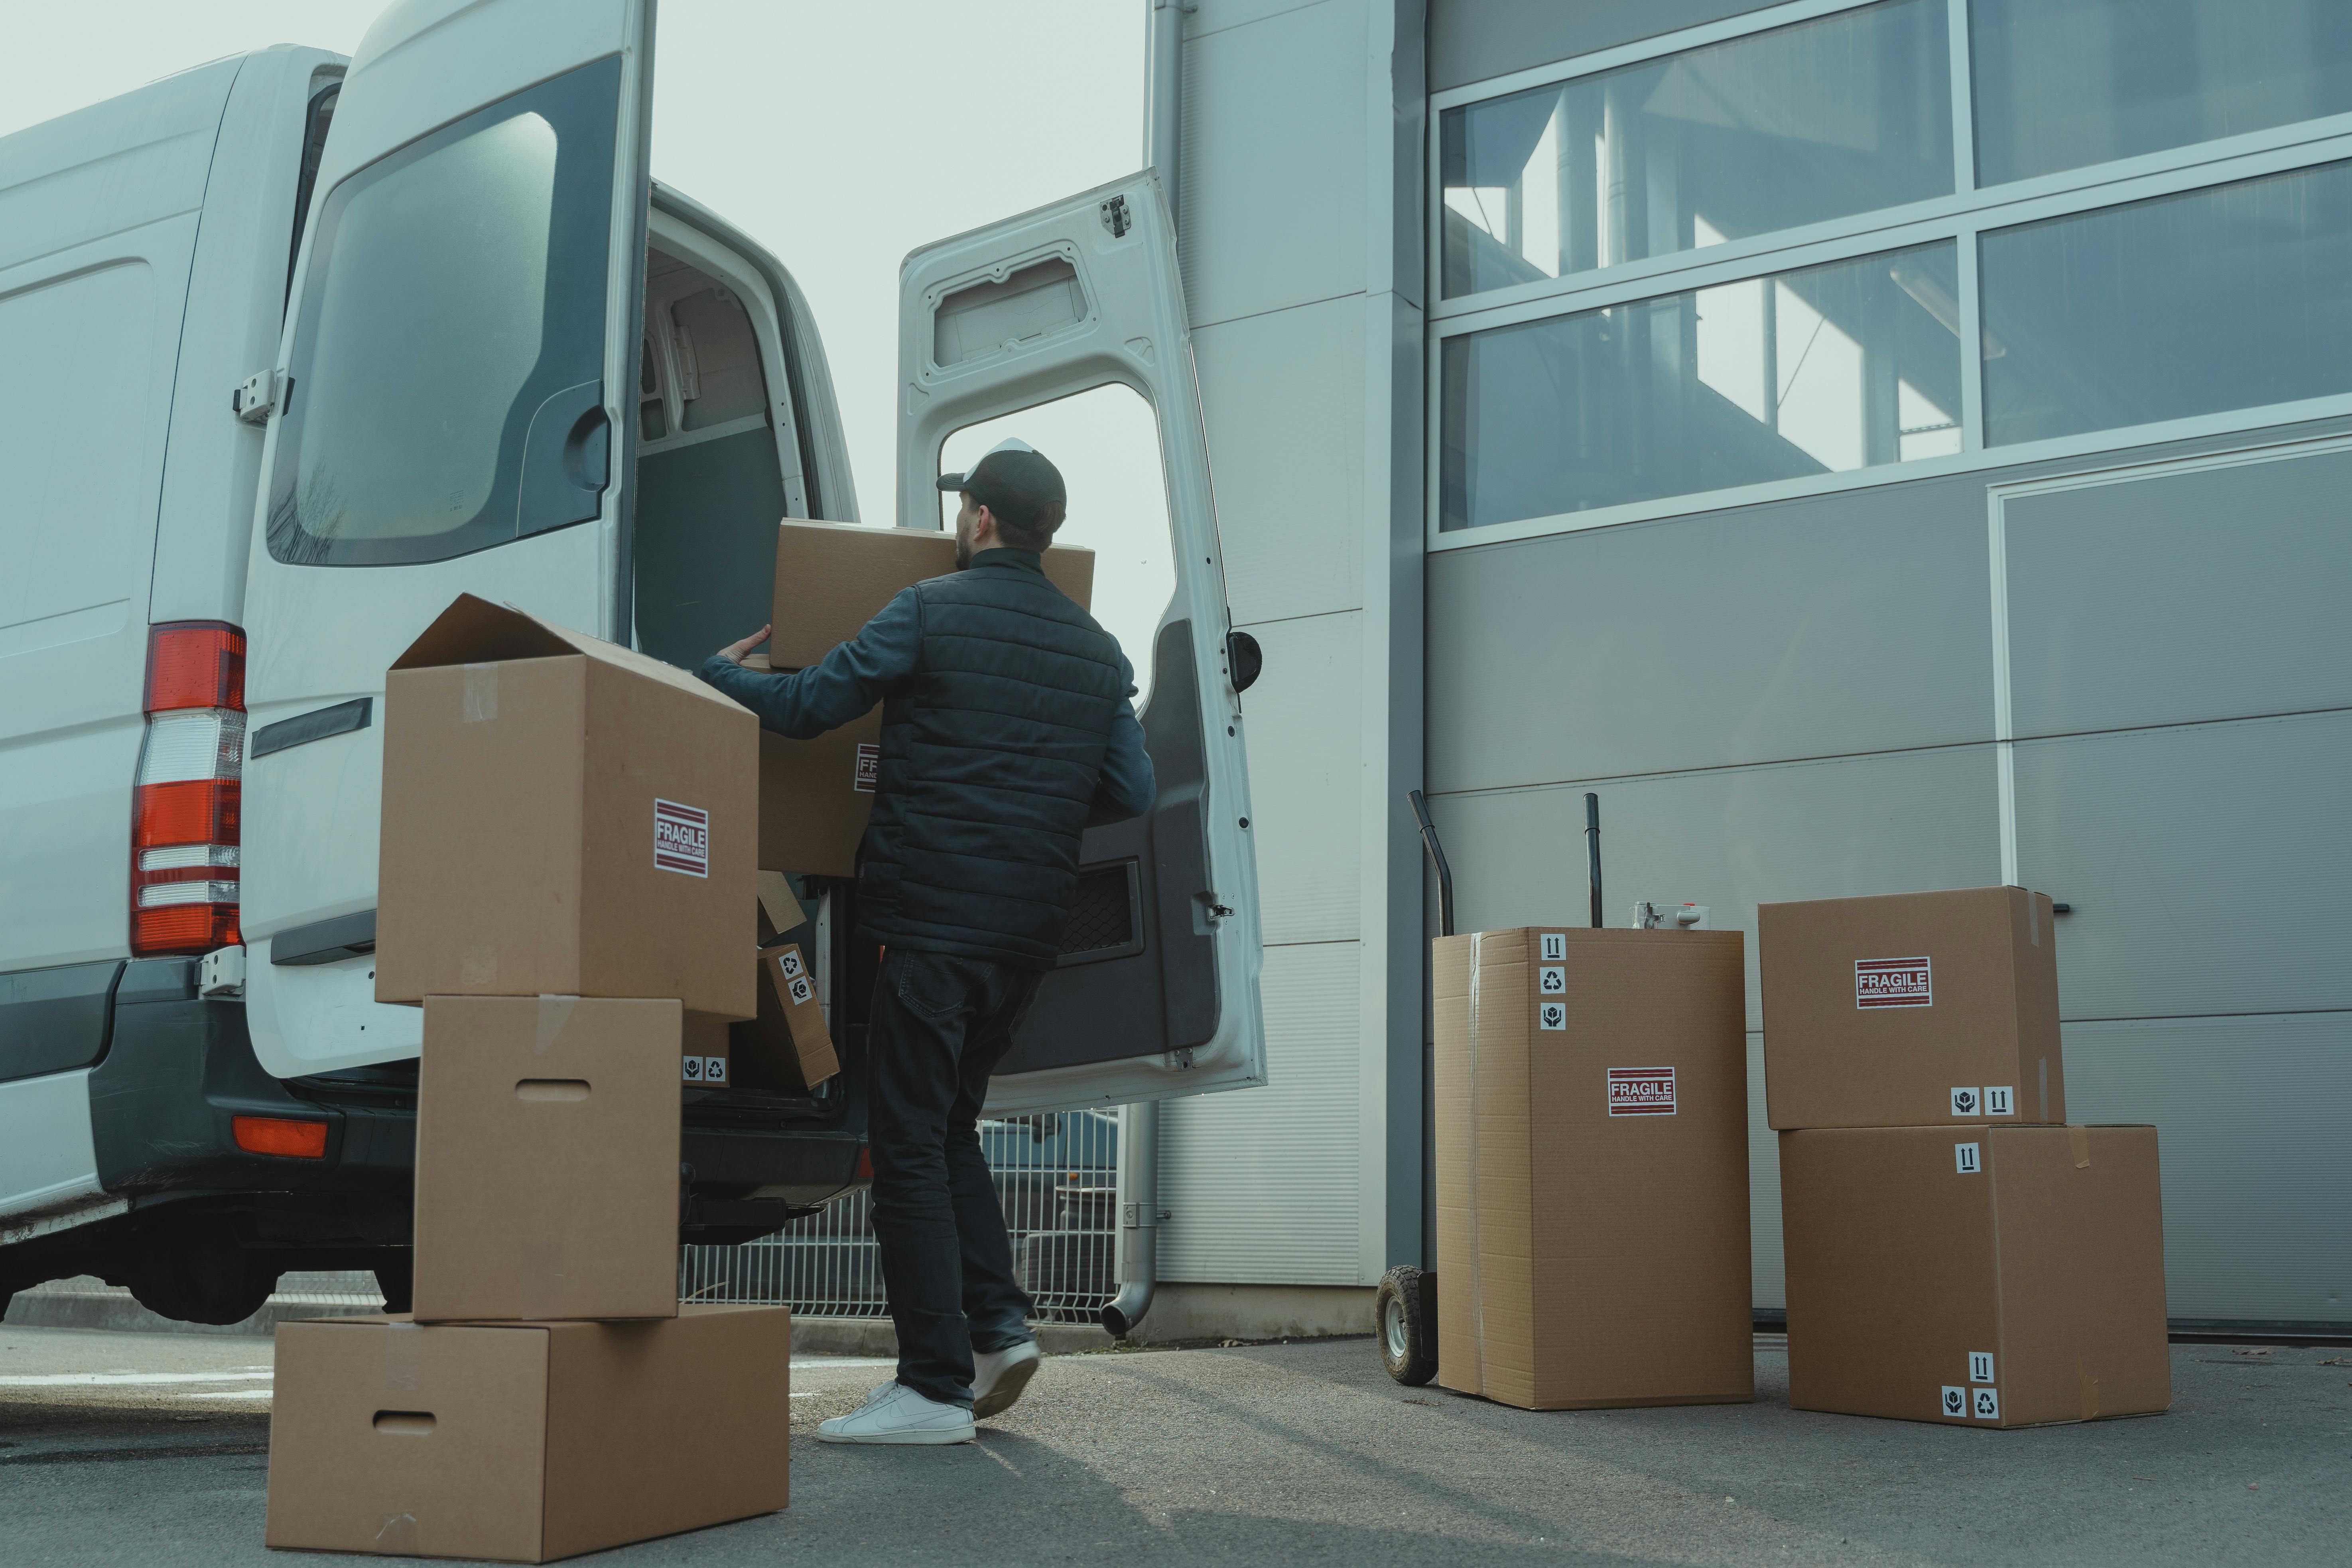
<point x="1014" y="480"/>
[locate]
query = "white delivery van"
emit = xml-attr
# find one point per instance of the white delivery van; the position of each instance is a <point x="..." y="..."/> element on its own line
<point x="293" y="350"/>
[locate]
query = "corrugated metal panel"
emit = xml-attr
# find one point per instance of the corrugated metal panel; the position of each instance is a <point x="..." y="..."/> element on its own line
<point x="1284" y="395"/>
<point x="2215" y="593"/>
<point x="1901" y="822"/>
<point x="1845" y="624"/>
<point x="1255" y="232"/>
<point x="1306" y="725"/>
<point x="2251" y="1116"/>
<point x="1265" y="1184"/>
<point x="2206" y="866"/>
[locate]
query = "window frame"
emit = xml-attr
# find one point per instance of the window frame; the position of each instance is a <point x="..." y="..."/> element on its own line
<point x="1963" y="217"/>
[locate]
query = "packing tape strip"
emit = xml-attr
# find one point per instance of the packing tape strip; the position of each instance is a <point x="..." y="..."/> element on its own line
<point x="398" y="1536"/>
<point x="1477" y="1257"/>
<point x="478" y="966"/>
<point x="404" y="1357"/>
<point x="540" y="1265"/>
<point x="481" y="693"/>
<point x="2090" y="1391"/>
<point x="2079" y="1140"/>
<point x="554" y="1012"/>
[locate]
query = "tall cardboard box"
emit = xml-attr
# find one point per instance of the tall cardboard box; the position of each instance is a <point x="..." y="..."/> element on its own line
<point x="787" y="1046"/>
<point x="1911" y="1010"/>
<point x="831" y="579"/>
<point x="1591" y="1150"/>
<point x="547" y="1151"/>
<point x="1984" y="1275"/>
<point x="526" y="1442"/>
<point x="561" y="817"/>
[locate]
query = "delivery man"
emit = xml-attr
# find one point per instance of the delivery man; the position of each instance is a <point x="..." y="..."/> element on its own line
<point x="1008" y="727"/>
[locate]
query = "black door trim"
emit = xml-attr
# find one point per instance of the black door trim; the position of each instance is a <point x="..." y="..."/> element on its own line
<point x="316" y="725"/>
<point x="325" y="941"/>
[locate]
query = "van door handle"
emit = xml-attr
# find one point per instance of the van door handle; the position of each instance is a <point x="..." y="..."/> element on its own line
<point x="566" y="460"/>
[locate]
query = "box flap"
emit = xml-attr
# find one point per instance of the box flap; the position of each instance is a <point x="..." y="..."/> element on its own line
<point x="474" y="631"/>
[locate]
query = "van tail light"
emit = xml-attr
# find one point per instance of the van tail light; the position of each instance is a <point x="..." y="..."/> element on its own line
<point x="186" y="808"/>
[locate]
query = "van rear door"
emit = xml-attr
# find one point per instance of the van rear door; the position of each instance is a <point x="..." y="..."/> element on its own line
<point x="452" y="395"/>
<point x="1156" y="994"/>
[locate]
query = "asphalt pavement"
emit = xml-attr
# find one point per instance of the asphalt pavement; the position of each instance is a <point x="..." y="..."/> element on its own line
<point x="121" y="1449"/>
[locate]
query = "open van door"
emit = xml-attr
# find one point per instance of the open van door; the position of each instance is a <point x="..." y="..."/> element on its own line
<point x="1157" y="993"/>
<point x="451" y="414"/>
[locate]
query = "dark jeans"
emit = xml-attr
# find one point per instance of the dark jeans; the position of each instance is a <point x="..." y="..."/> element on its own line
<point x="940" y="1024"/>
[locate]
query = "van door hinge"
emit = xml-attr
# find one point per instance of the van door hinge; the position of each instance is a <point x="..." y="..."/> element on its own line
<point x="1116" y="218"/>
<point x="221" y="972"/>
<point x="1215" y="907"/>
<point x="258" y="397"/>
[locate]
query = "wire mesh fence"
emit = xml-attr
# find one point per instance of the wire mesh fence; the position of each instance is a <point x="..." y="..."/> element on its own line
<point x="1056" y="1178"/>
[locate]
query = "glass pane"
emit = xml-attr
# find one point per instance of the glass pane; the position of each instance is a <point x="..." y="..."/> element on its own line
<point x="1848" y="365"/>
<point x="1815" y="120"/>
<point x="2064" y="83"/>
<point x="1107" y="444"/>
<point x="457" y="286"/>
<point x="2231" y="296"/>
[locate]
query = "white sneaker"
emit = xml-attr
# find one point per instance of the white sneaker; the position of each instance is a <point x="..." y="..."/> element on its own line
<point x="897" y="1414"/>
<point x="999" y="1376"/>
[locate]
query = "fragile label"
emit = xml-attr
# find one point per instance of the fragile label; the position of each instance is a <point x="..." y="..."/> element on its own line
<point x="1967" y="1102"/>
<point x="705" y="1070"/>
<point x="868" y="776"/>
<point x="1965" y="1160"/>
<point x="1641" y="1091"/>
<point x="801" y="990"/>
<point x="1552" y="980"/>
<point x="1987" y="1404"/>
<point x="1893" y="983"/>
<point x="1555" y="946"/>
<point x="2000" y="1100"/>
<point x="1551" y="1016"/>
<point x="1954" y="1403"/>
<point x="788" y="963"/>
<point x="681" y="838"/>
<point x="1980" y="1366"/>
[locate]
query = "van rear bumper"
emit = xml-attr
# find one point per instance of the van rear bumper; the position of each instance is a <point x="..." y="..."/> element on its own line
<point x="179" y="1067"/>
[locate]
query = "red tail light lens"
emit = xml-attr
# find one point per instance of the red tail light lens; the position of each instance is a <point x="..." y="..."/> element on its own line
<point x="195" y="664"/>
<point x="280" y="1135"/>
<point x="187" y="805"/>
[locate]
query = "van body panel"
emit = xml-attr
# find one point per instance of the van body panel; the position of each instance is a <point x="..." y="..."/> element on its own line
<point x="237" y="307"/>
<point x="48" y="1165"/>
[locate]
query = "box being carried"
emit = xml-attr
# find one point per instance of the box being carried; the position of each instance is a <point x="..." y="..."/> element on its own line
<point x="563" y="816"/>
<point x="1984" y="1276"/>
<point x="526" y="1442"/>
<point x="831" y="579"/>
<point x="547" y="1151"/>
<point x="1911" y="1010"/>
<point x="1591" y="1152"/>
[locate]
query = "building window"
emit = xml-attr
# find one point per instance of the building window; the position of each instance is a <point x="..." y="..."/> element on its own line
<point x="1819" y="371"/>
<point x="1826" y="244"/>
<point x="1819" y="119"/>
<point x="2063" y="84"/>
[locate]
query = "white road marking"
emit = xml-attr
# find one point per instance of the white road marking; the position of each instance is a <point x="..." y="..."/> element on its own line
<point x="124" y="1379"/>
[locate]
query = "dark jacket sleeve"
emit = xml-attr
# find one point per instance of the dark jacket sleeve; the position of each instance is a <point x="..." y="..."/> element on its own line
<point x="846" y="684"/>
<point x="1127" y="787"/>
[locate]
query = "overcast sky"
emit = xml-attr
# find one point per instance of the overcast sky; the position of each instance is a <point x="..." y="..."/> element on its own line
<point x="840" y="136"/>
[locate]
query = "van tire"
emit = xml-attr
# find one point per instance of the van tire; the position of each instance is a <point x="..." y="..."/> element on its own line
<point x="1404" y="1321"/>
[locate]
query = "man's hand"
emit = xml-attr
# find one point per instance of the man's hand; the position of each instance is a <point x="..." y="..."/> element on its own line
<point x="733" y="652"/>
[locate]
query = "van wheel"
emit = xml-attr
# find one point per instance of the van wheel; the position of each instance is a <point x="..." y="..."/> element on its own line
<point x="1404" y="1314"/>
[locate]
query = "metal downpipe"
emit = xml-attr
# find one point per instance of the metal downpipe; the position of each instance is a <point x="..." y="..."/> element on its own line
<point x="1138" y="1125"/>
<point x="1138" y="1217"/>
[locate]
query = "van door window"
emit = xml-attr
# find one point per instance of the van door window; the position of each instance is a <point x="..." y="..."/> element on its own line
<point x="448" y="371"/>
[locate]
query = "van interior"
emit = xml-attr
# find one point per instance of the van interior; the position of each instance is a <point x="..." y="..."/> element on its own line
<point x="709" y="482"/>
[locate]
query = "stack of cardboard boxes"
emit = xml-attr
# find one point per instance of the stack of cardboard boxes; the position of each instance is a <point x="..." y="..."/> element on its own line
<point x="1956" y="1252"/>
<point x="1591" y="1154"/>
<point x="567" y="880"/>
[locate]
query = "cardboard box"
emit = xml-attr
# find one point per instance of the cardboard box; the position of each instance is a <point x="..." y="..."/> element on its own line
<point x="547" y="1151"/>
<point x="1985" y="1276"/>
<point x="1592" y="1149"/>
<point x="1911" y="1010"/>
<point x="831" y="579"/>
<point x="561" y="817"/>
<point x="788" y="1045"/>
<point x="526" y="1442"/>
<point x="708" y="1051"/>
